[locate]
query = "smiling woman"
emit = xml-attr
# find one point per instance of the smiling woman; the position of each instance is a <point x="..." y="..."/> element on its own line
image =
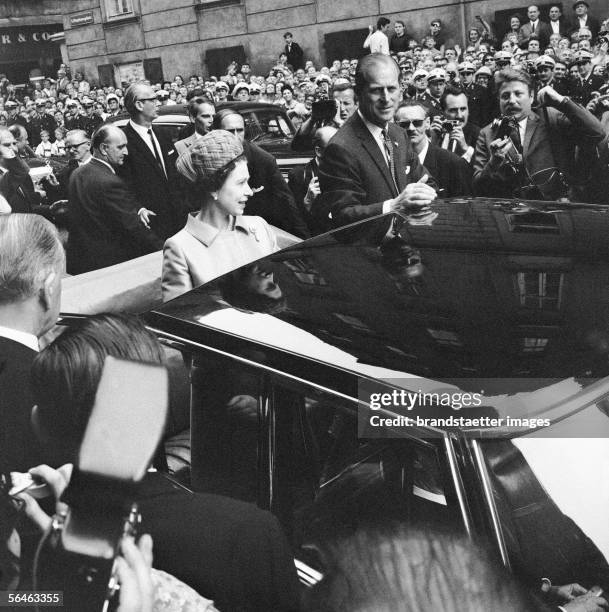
<point x="219" y="238"/>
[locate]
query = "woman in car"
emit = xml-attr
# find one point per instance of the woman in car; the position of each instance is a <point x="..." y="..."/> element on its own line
<point x="219" y="238"/>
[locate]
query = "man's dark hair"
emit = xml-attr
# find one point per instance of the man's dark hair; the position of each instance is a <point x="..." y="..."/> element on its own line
<point x="382" y="22"/>
<point x="342" y="87"/>
<point x="194" y="103"/>
<point x="366" y="63"/>
<point x="435" y="21"/>
<point x="451" y="90"/>
<point x="510" y="75"/>
<point x="415" y="104"/>
<point x="288" y="34"/>
<point x="399" y="21"/>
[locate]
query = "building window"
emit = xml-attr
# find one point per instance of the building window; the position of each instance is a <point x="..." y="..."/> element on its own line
<point x="117" y="9"/>
<point x="534" y="345"/>
<point x="540" y="290"/>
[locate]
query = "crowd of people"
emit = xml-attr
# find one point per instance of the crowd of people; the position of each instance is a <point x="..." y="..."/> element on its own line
<point x="520" y="114"/>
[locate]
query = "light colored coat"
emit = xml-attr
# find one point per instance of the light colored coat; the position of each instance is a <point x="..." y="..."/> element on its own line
<point x="199" y="253"/>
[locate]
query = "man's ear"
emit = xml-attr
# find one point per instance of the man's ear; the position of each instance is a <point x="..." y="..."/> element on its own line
<point x="48" y="290"/>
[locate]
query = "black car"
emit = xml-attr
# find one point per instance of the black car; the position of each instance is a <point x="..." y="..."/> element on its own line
<point x="341" y="351"/>
<point x="268" y="125"/>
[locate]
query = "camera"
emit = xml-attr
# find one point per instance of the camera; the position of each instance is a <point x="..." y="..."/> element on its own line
<point x="449" y="124"/>
<point x="78" y="555"/>
<point x="323" y="110"/>
<point x="503" y="126"/>
<point x="603" y="38"/>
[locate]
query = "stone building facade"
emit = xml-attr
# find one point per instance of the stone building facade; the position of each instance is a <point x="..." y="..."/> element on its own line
<point x="113" y="40"/>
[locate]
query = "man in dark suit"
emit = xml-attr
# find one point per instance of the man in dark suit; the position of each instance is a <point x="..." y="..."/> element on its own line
<point x="452" y="173"/>
<point x="15" y="183"/>
<point x="535" y="27"/>
<point x="294" y="52"/>
<point x="303" y="181"/>
<point x="32" y="264"/>
<point x="272" y="199"/>
<point x="150" y="168"/>
<point x="557" y="23"/>
<point x="582" y="19"/>
<point x="503" y="165"/>
<point x="104" y="225"/>
<point x="368" y="167"/>
<point x="78" y="146"/>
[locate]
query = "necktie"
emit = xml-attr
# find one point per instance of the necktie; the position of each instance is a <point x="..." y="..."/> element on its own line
<point x="157" y="154"/>
<point x="515" y="136"/>
<point x="390" y="157"/>
<point x="532" y="28"/>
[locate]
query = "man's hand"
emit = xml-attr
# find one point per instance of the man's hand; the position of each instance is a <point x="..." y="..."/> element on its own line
<point x="144" y="214"/>
<point x="52" y="179"/>
<point x="436" y="123"/>
<point x="566" y="592"/>
<point x="414" y="195"/>
<point x="57" y="480"/>
<point x="313" y="191"/>
<point x="458" y="136"/>
<point x="133" y="570"/>
<point x="499" y="149"/>
<point x="548" y="96"/>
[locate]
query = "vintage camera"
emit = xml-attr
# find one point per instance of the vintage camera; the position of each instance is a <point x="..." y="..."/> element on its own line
<point x="603" y="38"/>
<point x="323" y="110"/>
<point x="78" y="556"/>
<point x="503" y="126"/>
<point x="449" y="124"/>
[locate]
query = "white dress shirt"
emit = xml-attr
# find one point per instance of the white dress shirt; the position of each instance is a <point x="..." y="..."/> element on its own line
<point x="378" y="43"/>
<point x="22" y="337"/>
<point x="142" y="132"/>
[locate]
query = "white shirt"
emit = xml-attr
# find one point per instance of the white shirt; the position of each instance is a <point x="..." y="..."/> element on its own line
<point x="534" y="25"/>
<point x="377" y="134"/>
<point x="378" y="42"/>
<point x="423" y="152"/>
<point x="522" y="128"/>
<point x="555" y="27"/>
<point x="22" y="337"/>
<point x="142" y="132"/>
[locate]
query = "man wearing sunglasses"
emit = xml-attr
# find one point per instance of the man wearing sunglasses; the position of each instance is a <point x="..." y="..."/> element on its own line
<point x="452" y="173"/>
<point x="369" y="167"/>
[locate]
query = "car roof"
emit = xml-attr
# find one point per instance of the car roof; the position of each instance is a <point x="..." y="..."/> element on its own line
<point x="494" y="295"/>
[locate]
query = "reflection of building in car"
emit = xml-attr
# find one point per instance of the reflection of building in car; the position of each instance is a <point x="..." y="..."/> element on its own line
<point x="352" y="325"/>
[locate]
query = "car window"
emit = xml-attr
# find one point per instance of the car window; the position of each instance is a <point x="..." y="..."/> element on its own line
<point x="267" y="125"/>
<point x="170" y="131"/>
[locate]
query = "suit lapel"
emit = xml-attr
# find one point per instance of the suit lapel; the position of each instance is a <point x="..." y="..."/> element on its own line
<point x="142" y="148"/>
<point x="532" y="125"/>
<point x="373" y="150"/>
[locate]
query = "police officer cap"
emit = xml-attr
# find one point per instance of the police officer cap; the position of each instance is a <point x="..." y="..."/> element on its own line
<point x="484" y="71"/>
<point x="419" y="73"/>
<point x="437" y="74"/>
<point x="545" y="60"/>
<point x="467" y="67"/>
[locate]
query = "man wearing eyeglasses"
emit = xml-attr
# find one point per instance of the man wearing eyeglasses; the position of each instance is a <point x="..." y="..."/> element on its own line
<point x="78" y="148"/>
<point x="369" y="167"/>
<point x="452" y="173"/>
<point x="150" y="166"/>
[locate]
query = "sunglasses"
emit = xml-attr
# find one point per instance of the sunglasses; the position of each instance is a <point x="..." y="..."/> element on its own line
<point x="415" y="122"/>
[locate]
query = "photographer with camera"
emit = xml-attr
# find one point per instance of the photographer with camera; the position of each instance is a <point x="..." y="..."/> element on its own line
<point x="454" y="131"/>
<point x="523" y="154"/>
<point x="452" y="173"/>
